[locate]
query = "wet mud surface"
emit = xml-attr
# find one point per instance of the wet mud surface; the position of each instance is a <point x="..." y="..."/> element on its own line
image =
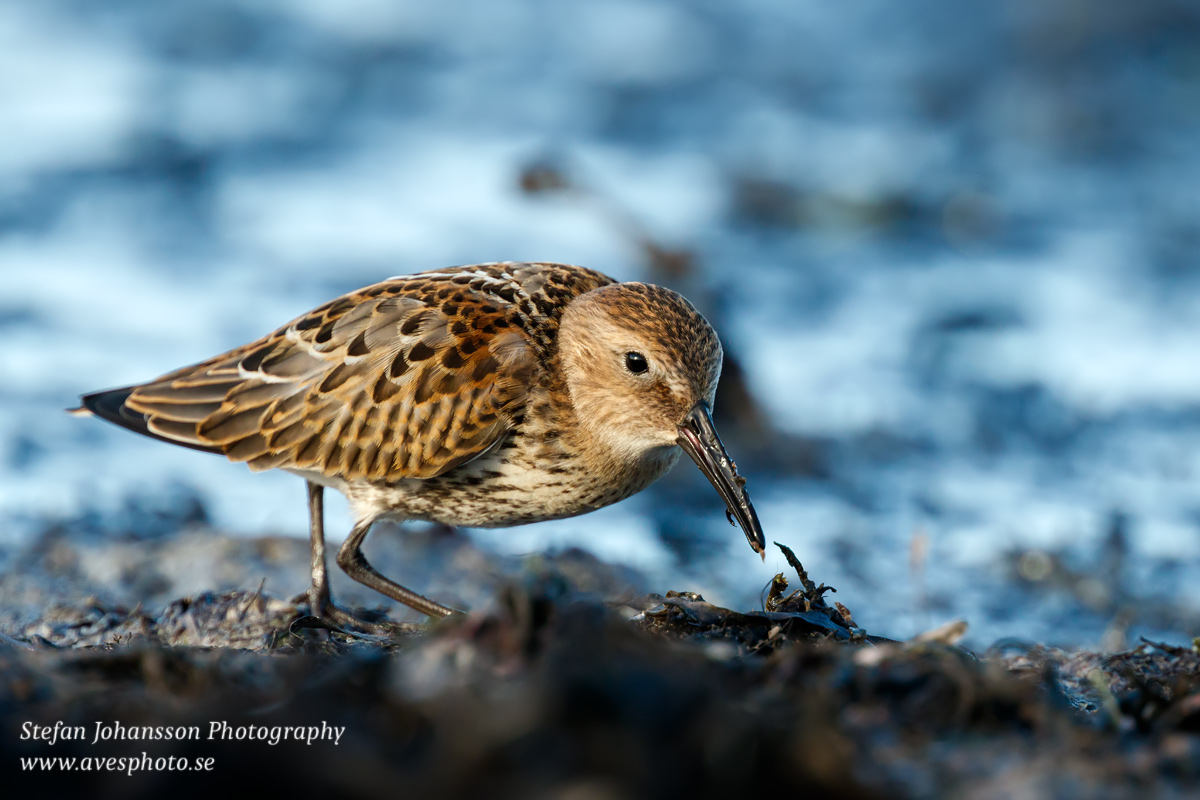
<point x="570" y="680"/>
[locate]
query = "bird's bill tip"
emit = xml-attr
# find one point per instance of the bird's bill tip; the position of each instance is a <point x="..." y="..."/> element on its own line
<point x="698" y="438"/>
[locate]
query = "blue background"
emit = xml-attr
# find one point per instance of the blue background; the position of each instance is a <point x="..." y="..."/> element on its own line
<point x="952" y="246"/>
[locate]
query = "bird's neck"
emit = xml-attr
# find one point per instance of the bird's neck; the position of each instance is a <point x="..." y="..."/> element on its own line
<point x="607" y="460"/>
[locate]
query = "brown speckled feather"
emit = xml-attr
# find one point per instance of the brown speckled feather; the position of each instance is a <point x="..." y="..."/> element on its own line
<point x="487" y="395"/>
<point x="408" y="378"/>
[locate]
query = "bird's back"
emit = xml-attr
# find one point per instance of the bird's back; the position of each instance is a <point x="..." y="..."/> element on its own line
<point x="406" y="379"/>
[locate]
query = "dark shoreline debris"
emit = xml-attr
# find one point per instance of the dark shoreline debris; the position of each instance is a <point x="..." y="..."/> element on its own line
<point x="802" y="616"/>
<point x="567" y="681"/>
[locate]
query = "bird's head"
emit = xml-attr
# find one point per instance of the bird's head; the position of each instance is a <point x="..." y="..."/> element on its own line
<point x="642" y="367"/>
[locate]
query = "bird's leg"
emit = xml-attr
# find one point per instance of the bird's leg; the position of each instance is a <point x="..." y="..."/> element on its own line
<point x="318" y="593"/>
<point x="319" y="602"/>
<point x="351" y="559"/>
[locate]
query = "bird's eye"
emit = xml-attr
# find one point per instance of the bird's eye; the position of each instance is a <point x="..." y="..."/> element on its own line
<point x="636" y="363"/>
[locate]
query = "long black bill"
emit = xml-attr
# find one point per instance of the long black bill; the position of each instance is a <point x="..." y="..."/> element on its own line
<point x="699" y="439"/>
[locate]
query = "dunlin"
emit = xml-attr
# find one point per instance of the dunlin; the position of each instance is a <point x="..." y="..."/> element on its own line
<point x="486" y="395"/>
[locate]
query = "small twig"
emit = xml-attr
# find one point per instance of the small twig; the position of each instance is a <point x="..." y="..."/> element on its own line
<point x="251" y="600"/>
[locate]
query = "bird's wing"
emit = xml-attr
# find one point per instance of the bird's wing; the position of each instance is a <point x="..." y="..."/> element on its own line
<point x="408" y="378"/>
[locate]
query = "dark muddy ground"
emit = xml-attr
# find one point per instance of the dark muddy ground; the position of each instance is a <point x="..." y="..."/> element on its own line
<point x="569" y="680"/>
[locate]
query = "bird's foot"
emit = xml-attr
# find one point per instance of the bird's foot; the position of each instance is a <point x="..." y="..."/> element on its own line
<point x="369" y="626"/>
<point x="375" y="624"/>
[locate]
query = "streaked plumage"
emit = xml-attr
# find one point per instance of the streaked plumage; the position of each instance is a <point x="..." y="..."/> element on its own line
<point x="485" y="395"/>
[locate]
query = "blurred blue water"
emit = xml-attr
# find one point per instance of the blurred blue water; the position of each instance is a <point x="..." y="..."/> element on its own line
<point x="954" y="249"/>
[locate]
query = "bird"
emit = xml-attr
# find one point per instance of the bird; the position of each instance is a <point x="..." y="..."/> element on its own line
<point x="485" y="395"/>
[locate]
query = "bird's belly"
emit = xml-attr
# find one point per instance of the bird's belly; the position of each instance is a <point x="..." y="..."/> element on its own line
<point x="500" y="490"/>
